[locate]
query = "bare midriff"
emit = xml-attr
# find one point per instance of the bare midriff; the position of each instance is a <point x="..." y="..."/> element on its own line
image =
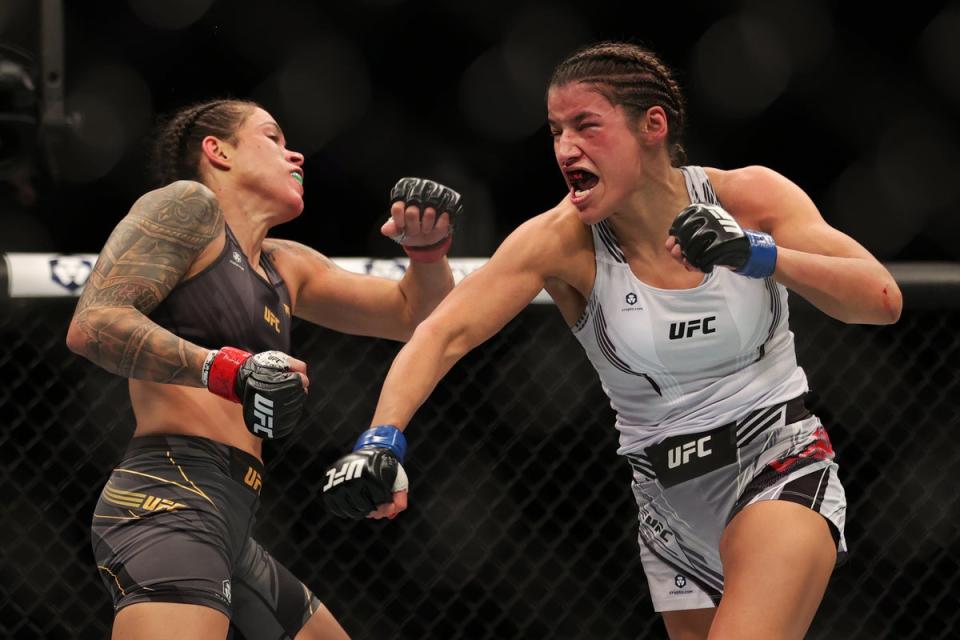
<point x="168" y="409"/>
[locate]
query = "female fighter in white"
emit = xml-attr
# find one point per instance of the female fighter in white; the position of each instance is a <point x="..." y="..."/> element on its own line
<point x="674" y="279"/>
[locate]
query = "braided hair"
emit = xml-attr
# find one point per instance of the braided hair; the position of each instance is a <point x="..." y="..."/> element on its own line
<point x="176" y="152"/>
<point x="633" y="78"/>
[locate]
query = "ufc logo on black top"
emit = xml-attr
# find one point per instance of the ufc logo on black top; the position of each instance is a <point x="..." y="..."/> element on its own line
<point x="687" y="329"/>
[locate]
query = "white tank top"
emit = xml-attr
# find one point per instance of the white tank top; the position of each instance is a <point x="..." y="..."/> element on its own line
<point x="682" y="361"/>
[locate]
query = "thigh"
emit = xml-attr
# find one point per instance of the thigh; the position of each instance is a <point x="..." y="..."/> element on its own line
<point x="169" y="621"/>
<point x="155" y="541"/>
<point x="693" y="624"/>
<point x="270" y="602"/>
<point x="777" y="559"/>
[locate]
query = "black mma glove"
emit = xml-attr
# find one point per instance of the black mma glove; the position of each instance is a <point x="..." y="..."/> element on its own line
<point x="272" y="396"/>
<point x="361" y="481"/>
<point x="709" y="236"/>
<point x="425" y="193"/>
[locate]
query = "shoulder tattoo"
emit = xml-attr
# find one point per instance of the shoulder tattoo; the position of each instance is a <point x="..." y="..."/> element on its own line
<point x="153" y="247"/>
<point x="145" y="257"/>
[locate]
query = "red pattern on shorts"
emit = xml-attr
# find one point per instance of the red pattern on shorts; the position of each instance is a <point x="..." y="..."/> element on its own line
<point x="819" y="449"/>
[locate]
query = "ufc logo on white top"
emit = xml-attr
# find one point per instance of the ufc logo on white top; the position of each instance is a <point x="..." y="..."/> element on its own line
<point x="346" y="471"/>
<point x="263" y="416"/>
<point x="681" y="455"/>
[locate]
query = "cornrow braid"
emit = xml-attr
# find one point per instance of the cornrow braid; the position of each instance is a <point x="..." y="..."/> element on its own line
<point x="631" y="77"/>
<point x="176" y="150"/>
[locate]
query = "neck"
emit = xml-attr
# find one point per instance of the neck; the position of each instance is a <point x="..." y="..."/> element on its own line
<point x="248" y="220"/>
<point x="642" y="224"/>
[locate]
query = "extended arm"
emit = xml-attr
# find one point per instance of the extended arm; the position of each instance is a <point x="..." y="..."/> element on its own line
<point x="475" y="310"/>
<point x="358" y="304"/>
<point x="422" y="216"/>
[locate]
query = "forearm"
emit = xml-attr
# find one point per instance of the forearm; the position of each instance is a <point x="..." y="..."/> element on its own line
<point x="423" y="286"/>
<point x="852" y="290"/>
<point x="125" y="342"/>
<point x="413" y="376"/>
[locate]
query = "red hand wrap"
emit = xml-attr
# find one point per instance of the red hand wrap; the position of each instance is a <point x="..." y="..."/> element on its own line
<point x="223" y="372"/>
<point x="430" y="253"/>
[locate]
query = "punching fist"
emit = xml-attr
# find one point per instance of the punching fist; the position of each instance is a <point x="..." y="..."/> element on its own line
<point x="271" y="391"/>
<point x="423" y="215"/>
<point x="709" y="236"/>
<point x="361" y="481"/>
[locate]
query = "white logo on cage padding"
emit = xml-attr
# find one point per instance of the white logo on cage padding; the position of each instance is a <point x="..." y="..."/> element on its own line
<point x="347" y="471"/>
<point x="681" y="455"/>
<point x="70" y="272"/>
<point x="263" y="416"/>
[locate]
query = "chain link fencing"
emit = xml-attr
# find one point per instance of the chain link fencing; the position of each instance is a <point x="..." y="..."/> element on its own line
<point x="522" y="523"/>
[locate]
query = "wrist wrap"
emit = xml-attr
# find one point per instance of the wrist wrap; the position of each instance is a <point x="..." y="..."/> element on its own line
<point x="385" y="436"/>
<point x="763" y="255"/>
<point x="222" y="378"/>
<point x="429" y="253"/>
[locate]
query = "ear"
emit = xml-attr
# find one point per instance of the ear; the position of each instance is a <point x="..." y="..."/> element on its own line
<point x="654" y="126"/>
<point x="217" y="152"/>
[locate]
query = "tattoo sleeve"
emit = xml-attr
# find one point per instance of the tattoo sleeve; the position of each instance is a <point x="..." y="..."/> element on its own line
<point x="143" y="260"/>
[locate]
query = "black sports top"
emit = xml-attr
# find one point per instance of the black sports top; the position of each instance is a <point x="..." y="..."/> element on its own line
<point x="229" y="304"/>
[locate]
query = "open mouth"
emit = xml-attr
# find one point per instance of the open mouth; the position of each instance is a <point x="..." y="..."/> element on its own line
<point x="581" y="182"/>
<point x="297" y="176"/>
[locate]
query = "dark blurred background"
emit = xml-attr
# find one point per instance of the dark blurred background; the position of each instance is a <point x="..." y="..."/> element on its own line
<point x="857" y="105"/>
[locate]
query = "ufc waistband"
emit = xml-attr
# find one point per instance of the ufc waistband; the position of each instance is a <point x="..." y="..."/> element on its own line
<point x="241" y="466"/>
<point x="680" y="458"/>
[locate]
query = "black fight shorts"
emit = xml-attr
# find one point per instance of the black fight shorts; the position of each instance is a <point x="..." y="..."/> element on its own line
<point x="173" y="524"/>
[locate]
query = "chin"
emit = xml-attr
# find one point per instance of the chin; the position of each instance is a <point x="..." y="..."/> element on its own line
<point x="590" y="213"/>
<point x="292" y="212"/>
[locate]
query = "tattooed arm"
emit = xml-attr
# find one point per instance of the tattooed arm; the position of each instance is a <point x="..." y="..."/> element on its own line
<point x="145" y="257"/>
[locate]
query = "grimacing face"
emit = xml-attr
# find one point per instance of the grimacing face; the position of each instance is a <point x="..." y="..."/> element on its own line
<point x="596" y="149"/>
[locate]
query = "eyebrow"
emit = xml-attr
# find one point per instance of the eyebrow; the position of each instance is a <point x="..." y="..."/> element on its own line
<point x="274" y="125"/>
<point x="577" y="119"/>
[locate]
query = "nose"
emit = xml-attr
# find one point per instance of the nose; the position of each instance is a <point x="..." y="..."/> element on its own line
<point x="566" y="150"/>
<point x="295" y="157"/>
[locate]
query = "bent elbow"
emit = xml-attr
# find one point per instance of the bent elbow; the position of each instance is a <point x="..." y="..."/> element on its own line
<point x="76" y="339"/>
<point x="891" y="303"/>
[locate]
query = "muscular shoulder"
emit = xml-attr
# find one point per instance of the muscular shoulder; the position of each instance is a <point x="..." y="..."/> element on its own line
<point x="296" y="262"/>
<point x="557" y="244"/>
<point x="169" y="233"/>
<point x="757" y="195"/>
<point x="184" y="203"/>
<point x="556" y="233"/>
